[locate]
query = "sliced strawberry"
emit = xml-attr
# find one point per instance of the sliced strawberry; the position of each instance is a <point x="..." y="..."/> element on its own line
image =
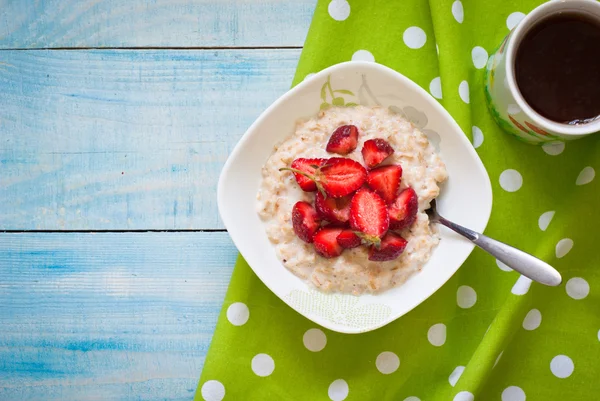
<point x="343" y="140"/>
<point x="342" y="176"/>
<point x="325" y="241"/>
<point x="347" y="239"/>
<point x="334" y="210"/>
<point x="305" y="221"/>
<point x="403" y="212"/>
<point x="375" y="151"/>
<point x="307" y="166"/>
<point x="369" y="215"/>
<point x="392" y="245"/>
<point x="385" y="181"/>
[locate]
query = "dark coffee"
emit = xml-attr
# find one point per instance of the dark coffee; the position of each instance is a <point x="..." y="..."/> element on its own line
<point x="557" y="68"/>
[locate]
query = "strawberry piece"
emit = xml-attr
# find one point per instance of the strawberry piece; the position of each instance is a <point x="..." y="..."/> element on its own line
<point x="343" y="140"/>
<point x="334" y="210"/>
<point x="348" y="239"/>
<point x="342" y="176"/>
<point x="307" y="166"/>
<point x="392" y="245"/>
<point x="375" y="151"/>
<point x="403" y="212"/>
<point x="305" y="221"/>
<point x="325" y="242"/>
<point x="369" y="215"/>
<point x="385" y="181"/>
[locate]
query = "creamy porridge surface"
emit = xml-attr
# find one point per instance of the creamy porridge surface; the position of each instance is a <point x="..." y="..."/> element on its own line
<point x="352" y="272"/>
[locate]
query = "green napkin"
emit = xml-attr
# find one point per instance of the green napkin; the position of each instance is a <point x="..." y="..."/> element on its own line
<point x="488" y="334"/>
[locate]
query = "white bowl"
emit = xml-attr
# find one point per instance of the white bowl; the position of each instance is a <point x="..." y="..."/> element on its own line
<point x="466" y="197"/>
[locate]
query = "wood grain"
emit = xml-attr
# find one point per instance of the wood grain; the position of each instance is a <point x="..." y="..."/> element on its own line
<point x="108" y="139"/>
<point x="108" y="316"/>
<point x="157" y="23"/>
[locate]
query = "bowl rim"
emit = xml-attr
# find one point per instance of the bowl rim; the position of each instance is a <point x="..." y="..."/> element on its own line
<point x="378" y="68"/>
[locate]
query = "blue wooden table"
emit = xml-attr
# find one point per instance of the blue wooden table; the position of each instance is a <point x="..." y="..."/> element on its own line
<point x="115" y="119"/>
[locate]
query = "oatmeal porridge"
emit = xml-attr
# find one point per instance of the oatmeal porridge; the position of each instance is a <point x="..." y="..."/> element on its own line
<point x="383" y="167"/>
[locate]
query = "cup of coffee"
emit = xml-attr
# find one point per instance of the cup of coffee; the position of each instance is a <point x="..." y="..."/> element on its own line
<point x="543" y="82"/>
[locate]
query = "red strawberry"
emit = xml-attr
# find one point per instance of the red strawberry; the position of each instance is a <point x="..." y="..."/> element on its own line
<point x="347" y="239"/>
<point x="392" y="245"/>
<point x="375" y="151"/>
<point x="403" y="212"/>
<point x="343" y="140"/>
<point x="325" y="241"/>
<point x="369" y="215"/>
<point x="305" y="221"/>
<point x="338" y="177"/>
<point x="307" y="166"/>
<point x="385" y="181"/>
<point x="334" y="210"/>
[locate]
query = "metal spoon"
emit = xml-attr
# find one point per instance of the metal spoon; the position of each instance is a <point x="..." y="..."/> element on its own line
<point x="526" y="264"/>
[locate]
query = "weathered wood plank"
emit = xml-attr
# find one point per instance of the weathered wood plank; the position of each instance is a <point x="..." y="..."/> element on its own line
<point x="157" y="23"/>
<point x="106" y="139"/>
<point x="108" y="316"/>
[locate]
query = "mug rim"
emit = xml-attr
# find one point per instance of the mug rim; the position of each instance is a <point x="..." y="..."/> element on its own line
<point x="517" y="34"/>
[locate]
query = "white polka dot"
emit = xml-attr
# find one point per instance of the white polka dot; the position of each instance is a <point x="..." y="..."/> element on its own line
<point x="513" y="393"/>
<point x="363" y="55"/>
<point x="466" y="296"/>
<point x="464" y="396"/>
<point x="338" y="390"/>
<point x="479" y="56"/>
<point x="563" y="247"/>
<point x="562" y="366"/>
<point x="598" y="335"/>
<point x="412" y="398"/>
<point x="435" y="87"/>
<point x="477" y="136"/>
<point x="314" y="340"/>
<point x="387" y="362"/>
<point x="545" y="219"/>
<point x="577" y="288"/>
<point x="458" y="11"/>
<point x="513" y="109"/>
<point x="521" y="286"/>
<point x="502" y="266"/>
<point x="455" y="375"/>
<point x="498" y="359"/>
<point x="437" y="334"/>
<point x="238" y="313"/>
<point x="586" y="176"/>
<point x="514" y="19"/>
<point x="463" y="91"/>
<point x="309" y="76"/>
<point x="213" y="390"/>
<point x="553" y="148"/>
<point x="414" y="37"/>
<point x="263" y="365"/>
<point x="339" y="10"/>
<point x="533" y="320"/>
<point x="511" y="180"/>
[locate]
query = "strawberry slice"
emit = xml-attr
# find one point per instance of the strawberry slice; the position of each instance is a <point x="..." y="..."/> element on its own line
<point x="348" y="239"/>
<point x="403" y="212"/>
<point x="338" y="177"/>
<point x="305" y="221"/>
<point x="334" y="210"/>
<point x="369" y="215"/>
<point x="325" y="242"/>
<point x="307" y="166"/>
<point x="375" y="151"/>
<point x="385" y="181"/>
<point x="343" y="140"/>
<point x="392" y="245"/>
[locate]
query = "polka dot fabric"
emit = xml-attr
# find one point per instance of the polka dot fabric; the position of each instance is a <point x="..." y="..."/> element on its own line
<point x="488" y="333"/>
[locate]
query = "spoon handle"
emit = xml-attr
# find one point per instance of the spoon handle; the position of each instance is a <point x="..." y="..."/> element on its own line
<point x="526" y="264"/>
